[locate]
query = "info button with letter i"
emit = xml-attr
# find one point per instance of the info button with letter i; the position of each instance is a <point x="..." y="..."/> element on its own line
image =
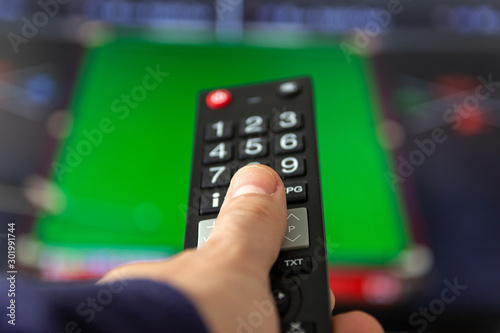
<point x="211" y="201"/>
<point x="297" y="230"/>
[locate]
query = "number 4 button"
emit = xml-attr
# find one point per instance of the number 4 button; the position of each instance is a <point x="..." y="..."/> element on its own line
<point x="218" y="152"/>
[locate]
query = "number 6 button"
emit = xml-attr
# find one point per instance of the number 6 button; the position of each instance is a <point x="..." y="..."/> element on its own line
<point x="289" y="143"/>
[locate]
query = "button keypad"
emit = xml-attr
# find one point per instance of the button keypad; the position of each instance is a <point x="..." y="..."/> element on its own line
<point x="280" y="148"/>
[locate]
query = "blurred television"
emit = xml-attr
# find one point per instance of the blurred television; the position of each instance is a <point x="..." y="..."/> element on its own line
<point x="95" y="168"/>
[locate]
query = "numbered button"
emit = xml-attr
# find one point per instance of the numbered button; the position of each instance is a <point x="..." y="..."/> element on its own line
<point x="211" y="201"/>
<point x="219" y="130"/>
<point x="217" y="175"/>
<point x="289" y="143"/>
<point x="253" y="125"/>
<point x="287" y="120"/>
<point x="258" y="161"/>
<point x="253" y="147"/>
<point x="218" y="152"/>
<point x="290" y="166"/>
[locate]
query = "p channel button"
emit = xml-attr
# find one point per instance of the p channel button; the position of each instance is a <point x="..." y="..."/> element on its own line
<point x="297" y="233"/>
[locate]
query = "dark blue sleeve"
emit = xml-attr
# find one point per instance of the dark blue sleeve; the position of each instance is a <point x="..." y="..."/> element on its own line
<point x="122" y="306"/>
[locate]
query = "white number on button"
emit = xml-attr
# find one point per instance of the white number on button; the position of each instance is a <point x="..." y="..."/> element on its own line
<point x="289" y="165"/>
<point x="253" y="124"/>
<point x="288" y="119"/>
<point x="218" y="171"/>
<point x="289" y="141"/>
<point x="219" y="151"/>
<point x="219" y="128"/>
<point x="254" y="146"/>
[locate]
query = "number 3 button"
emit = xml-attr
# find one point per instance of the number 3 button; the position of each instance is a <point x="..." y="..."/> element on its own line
<point x="287" y="120"/>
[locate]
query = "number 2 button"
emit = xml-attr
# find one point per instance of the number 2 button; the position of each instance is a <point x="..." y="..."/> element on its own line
<point x="253" y="125"/>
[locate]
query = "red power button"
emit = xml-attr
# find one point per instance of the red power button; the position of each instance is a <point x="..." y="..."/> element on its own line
<point x="218" y="98"/>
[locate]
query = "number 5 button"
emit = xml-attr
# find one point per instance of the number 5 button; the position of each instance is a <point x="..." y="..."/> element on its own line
<point x="253" y="147"/>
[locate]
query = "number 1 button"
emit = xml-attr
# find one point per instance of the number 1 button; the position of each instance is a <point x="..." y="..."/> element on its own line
<point x="219" y="130"/>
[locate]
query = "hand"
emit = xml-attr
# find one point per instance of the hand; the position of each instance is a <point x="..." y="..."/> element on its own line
<point x="229" y="274"/>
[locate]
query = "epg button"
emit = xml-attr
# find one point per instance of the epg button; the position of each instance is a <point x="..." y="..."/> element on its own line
<point x="296" y="191"/>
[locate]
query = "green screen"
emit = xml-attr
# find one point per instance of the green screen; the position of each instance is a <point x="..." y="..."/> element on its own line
<point x="125" y="166"/>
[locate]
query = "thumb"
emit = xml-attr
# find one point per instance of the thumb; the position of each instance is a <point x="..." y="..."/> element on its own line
<point x="252" y="222"/>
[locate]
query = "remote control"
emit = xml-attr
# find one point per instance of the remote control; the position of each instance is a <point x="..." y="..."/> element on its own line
<point x="273" y="124"/>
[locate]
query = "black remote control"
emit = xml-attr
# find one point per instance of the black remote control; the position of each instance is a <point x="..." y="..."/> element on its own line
<point x="272" y="124"/>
